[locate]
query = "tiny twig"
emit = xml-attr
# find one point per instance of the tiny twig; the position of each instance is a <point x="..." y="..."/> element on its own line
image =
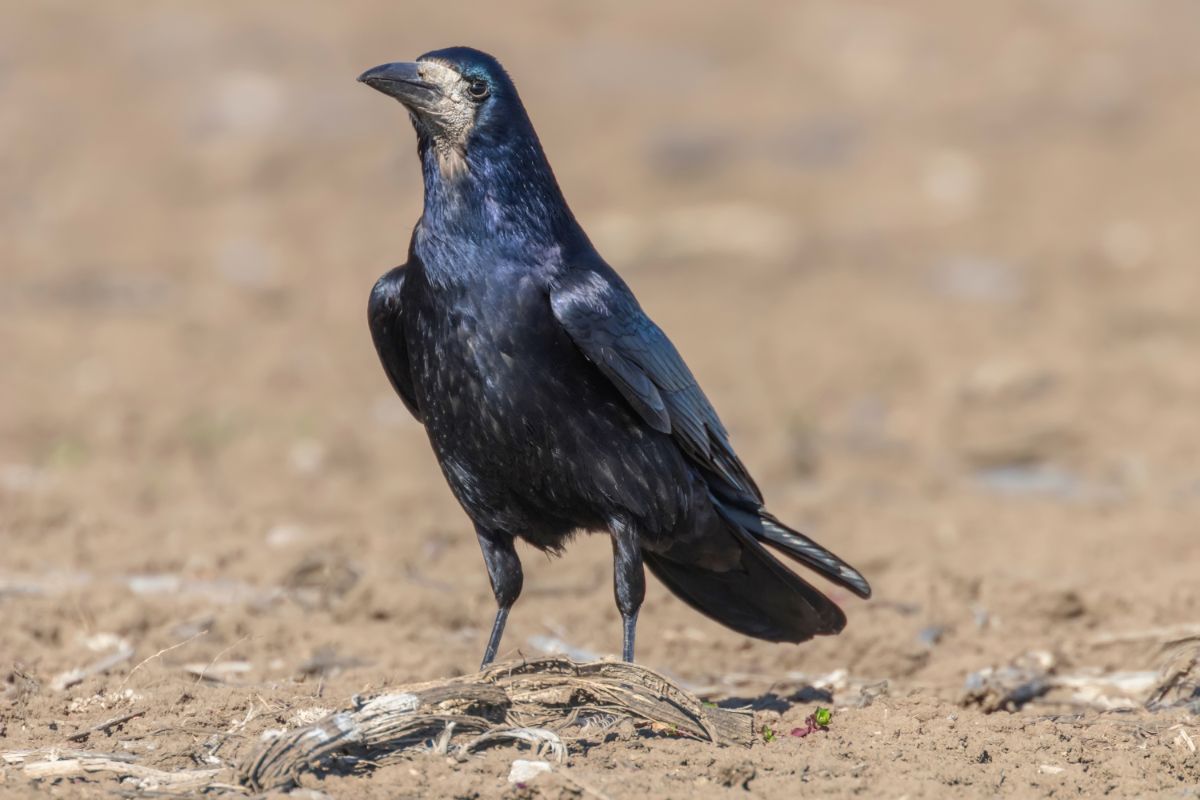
<point x="159" y="654"/>
<point x="195" y="732"/>
<point x="226" y="787"/>
<point x="79" y="736"/>
<point x="1165" y="633"/>
<point x="19" y="757"/>
<point x="73" y="767"/>
<point x="217" y="657"/>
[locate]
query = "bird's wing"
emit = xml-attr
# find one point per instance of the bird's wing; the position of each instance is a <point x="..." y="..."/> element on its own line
<point x="385" y="314"/>
<point x="604" y="319"/>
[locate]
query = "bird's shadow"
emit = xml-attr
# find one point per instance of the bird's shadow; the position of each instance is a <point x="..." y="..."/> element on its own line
<point x="772" y="701"/>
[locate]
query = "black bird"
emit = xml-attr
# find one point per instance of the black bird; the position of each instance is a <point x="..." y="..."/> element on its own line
<point x="553" y="403"/>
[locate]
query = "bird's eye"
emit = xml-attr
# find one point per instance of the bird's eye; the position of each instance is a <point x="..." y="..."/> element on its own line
<point x="479" y="89"/>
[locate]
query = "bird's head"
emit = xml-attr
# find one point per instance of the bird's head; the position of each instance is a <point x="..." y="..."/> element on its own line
<point x="457" y="97"/>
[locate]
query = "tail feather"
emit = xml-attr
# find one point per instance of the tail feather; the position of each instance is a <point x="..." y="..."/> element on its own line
<point x="765" y="527"/>
<point x="759" y="598"/>
<point x="722" y="569"/>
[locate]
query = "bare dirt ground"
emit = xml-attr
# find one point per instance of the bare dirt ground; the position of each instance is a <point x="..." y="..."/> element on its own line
<point x="935" y="263"/>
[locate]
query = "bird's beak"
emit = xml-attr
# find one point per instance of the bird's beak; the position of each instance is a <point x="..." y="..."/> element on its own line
<point x="403" y="81"/>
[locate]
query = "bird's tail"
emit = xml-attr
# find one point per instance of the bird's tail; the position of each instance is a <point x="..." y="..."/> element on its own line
<point x="759" y="596"/>
<point x="764" y="527"/>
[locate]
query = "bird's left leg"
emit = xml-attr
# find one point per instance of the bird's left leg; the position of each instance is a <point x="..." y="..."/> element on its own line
<point x="629" y="580"/>
<point x="504" y="572"/>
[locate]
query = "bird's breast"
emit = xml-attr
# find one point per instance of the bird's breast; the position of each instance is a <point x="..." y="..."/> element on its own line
<point x="491" y="366"/>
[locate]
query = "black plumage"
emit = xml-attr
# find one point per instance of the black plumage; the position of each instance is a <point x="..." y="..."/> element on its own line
<point x="553" y="403"/>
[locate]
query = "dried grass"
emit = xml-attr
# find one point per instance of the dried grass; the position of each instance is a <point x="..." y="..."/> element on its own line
<point x="542" y="703"/>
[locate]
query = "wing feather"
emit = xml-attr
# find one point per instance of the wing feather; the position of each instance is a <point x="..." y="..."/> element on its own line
<point x="385" y="315"/>
<point x="604" y="320"/>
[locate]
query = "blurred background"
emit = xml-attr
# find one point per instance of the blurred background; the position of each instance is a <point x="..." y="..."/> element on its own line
<point x="935" y="264"/>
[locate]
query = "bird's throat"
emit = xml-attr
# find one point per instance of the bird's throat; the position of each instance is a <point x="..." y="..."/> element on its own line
<point x="452" y="162"/>
<point x="490" y="203"/>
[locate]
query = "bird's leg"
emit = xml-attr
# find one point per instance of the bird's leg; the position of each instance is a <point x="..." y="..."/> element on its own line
<point x="629" y="581"/>
<point x="504" y="571"/>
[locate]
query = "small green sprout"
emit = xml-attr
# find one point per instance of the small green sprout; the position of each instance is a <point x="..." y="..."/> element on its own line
<point x="768" y="734"/>
<point x="817" y="721"/>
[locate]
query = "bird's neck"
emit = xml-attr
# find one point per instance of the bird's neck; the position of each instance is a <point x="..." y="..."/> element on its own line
<point x="501" y="203"/>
